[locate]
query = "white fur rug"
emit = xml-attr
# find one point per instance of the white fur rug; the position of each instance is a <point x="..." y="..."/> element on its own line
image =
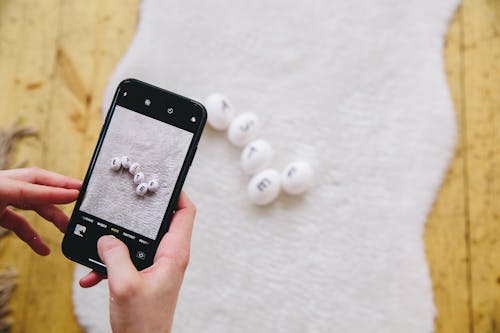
<point x="355" y="87"/>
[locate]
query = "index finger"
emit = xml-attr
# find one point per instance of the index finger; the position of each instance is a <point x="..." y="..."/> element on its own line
<point x="43" y="177"/>
<point x="22" y="194"/>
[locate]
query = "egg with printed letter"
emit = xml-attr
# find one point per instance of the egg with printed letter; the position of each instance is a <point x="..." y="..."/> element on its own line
<point x="297" y="177"/>
<point x="141" y="189"/>
<point x="220" y="111"/>
<point x="264" y="187"/>
<point x="125" y="162"/>
<point x="116" y="164"/>
<point x="134" y="168"/>
<point x="138" y="178"/>
<point x="153" y="185"/>
<point x="256" y="156"/>
<point x="243" y="129"/>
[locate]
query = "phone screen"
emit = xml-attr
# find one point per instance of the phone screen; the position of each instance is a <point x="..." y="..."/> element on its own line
<point x="157" y="130"/>
<point x="160" y="150"/>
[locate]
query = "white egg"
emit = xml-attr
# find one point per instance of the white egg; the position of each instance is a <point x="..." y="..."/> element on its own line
<point x="220" y="111"/>
<point x="125" y="162"/>
<point x="243" y="129"/>
<point x="138" y="178"/>
<point x="153" y="185"/>
<point x="297" y="177"/>
<point x="256" y="156"/>
<point x="141" y="189"/>
<point x="264" y="187"/>
<point x="116" y="164"/>
<point x="134" y="168"/>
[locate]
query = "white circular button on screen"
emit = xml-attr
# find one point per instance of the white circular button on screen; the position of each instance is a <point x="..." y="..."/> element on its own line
<point x="256" y="156"/>
<point x="134" y="168"/>
<point x="153" y="185"/>
<point x="138" y="178"/>
<point x="116" y="164"/>
<point x="297" y="177"/>
<point x="141" y="189"/>
<point x="243" y="129"/>
<point x="125" y="162"/>
<point x="264" y="187"/>
<point x="220" y="111"/>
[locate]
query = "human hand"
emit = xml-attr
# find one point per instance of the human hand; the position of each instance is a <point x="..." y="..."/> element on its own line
<point x="35" y="189"/>
<point x="145" y="301"/>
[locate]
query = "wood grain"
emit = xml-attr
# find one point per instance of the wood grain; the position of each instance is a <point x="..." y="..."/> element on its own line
<point x="481" y="52"/>
<point x="463" y="232"/>
<point x="56" y="56"/>
<point x="446" y="230"/>
<point x="55" y="59"/>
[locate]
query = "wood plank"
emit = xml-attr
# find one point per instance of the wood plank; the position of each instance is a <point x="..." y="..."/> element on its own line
<point x="446" y="245"/>
<point x="28" y="33"/>
<point x="55" y="59"/>
<point x="482" y="114"/>
<point x="93" y="37"/>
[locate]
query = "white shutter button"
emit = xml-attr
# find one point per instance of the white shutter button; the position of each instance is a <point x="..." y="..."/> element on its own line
<point x="264" y="187"/>
<point x="153" y="185"/>
<point x="297" y="177"/>
<point x="220" y="111"/>
<point x="141" y="189"/>
<point x="116" y="164"/>
<point x="138" y="178"/>
<point x="125" y="162"/>
<point x="243" y="129"/>
<point x="134" y="168"/>
<point x="256" y="156"/>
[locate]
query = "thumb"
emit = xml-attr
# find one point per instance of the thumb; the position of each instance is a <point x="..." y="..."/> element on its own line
<point x="116" y="256"/>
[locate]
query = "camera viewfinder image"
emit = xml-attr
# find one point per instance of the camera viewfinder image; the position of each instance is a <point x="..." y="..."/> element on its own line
<point x="159" y="148"/>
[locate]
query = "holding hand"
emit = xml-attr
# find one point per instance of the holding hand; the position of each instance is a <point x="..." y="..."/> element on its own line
<point x="142" y="301"/>
<point x="38" y="190"/>
<point x="145" y="301"/>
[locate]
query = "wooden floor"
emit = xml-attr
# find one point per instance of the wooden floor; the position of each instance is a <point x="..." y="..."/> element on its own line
<point x="463" y="232"/>
<point x="55" y="58"/>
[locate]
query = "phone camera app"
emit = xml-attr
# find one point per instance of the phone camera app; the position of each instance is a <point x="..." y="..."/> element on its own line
<point x="130" y="165"/>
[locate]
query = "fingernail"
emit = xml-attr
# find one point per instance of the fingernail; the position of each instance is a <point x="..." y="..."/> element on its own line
<point x="107" y="237"/>
<point x="106" y="243"/>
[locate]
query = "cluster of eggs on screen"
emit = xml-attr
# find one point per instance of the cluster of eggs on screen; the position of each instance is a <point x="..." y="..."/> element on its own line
<point x="242" y="131"/>
<point x="133" y="168"/>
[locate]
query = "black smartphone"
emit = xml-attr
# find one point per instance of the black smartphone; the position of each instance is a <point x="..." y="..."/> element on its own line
<point x="135" y="177"/>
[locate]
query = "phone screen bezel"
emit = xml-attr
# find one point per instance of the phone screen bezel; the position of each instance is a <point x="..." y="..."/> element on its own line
<point x="134" y="99"/>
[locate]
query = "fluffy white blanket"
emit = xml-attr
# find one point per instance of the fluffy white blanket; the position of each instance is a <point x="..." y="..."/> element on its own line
<point x="355" y="87"/>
